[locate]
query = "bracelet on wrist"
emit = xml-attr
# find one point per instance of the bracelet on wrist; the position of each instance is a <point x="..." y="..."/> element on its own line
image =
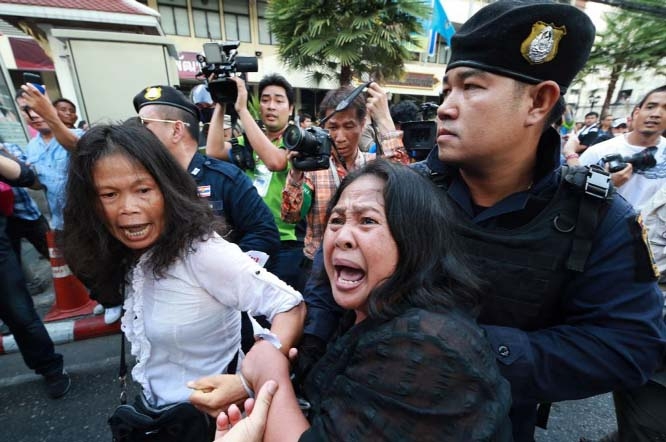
<point x="571" y="156"/>
<point x="246" y="387"/>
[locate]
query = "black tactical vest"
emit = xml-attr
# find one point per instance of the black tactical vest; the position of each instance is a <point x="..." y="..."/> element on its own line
<point x="527" y="267"/>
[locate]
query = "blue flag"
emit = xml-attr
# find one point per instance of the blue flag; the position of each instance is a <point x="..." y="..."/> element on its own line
<point x="439" y="24"/>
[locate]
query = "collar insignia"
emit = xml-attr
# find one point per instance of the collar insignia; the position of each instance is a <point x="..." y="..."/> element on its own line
<point x="543" y="42"/>
<point x="153" y="93"/>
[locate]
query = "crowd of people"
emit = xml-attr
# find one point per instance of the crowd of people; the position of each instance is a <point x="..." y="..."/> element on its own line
<point x="378" y="297"/>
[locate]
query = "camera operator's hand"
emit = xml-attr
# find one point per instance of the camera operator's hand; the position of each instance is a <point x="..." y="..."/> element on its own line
<point x="241" y="100"/>
<point x="295" y="174"/>
<point x="621" y="177"/>
<point x="378" y="108"/>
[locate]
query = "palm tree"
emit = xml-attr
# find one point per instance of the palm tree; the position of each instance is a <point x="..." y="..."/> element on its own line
<point x="633" y="43"/>
<point x="347" y="38"/>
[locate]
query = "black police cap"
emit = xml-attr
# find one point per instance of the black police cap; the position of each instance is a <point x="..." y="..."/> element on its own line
<point x="166" y="96"/>
<point x="528" y="40"/>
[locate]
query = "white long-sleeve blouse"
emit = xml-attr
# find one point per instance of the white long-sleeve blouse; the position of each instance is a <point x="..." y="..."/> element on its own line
<point x="187" y="324"/>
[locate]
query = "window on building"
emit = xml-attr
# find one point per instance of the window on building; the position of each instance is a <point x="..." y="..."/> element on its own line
<point x="174" y="17"/>
<point x="265" y="35"/>
<point x="237" y="20"/>
<point x="206" y="18"/>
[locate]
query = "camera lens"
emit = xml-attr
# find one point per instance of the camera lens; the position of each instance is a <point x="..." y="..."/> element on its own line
<point x="292" y="137"/>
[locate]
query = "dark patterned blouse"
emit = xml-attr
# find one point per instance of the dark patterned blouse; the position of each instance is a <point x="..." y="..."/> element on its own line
<point x="421" y="376"/>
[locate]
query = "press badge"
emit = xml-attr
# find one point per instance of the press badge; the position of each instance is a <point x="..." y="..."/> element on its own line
<point x="203" y="191"/>
<point x="262" y="179"/>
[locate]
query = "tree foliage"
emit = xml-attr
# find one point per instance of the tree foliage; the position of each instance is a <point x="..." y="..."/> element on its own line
<point x="346" y="38"/>
<point x="632" y="45"/>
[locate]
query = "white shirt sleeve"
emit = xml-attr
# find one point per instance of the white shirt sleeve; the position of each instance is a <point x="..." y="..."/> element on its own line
<point x="236" y="280"/>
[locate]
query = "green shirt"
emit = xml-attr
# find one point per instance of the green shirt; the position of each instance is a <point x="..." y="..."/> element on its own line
<point x="269" y="184"/>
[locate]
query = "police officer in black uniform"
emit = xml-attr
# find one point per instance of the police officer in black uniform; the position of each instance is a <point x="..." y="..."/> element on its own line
<point x="572" y="308"/>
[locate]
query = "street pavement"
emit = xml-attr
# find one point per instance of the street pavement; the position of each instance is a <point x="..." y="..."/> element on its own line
<point x="28" y="415"/>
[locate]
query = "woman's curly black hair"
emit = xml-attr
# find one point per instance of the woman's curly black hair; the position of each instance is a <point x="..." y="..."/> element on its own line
<point x="93" y="254"/>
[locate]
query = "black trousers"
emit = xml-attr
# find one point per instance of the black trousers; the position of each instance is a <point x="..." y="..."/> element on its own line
<point x="641" y="413"/>
<point x="33" y="231"/>
<point x="18" y="312"/>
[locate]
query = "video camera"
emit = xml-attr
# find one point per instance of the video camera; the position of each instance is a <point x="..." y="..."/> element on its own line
<point x="314" y="145"/>
<point x="642" y="160"/>
<point x="419" y="137"/>
<point x="222" y="60"/>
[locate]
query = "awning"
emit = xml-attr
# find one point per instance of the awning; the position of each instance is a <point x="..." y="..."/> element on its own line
<point x="29" y="55"/>
<point x="188" y="66"/>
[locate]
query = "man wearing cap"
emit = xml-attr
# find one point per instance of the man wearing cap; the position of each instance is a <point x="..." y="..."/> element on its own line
<point x="571" y="306"/>
<point x="619" y="126"/>
<point x="174" y="119"/>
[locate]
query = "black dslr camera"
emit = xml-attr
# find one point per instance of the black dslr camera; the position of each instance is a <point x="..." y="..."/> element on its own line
<point x="222" y="59"/>
<point x="641" y="161"/>
<point x="314" y="145"/>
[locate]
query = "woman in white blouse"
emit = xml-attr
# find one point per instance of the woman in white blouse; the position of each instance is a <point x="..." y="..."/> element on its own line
<point x="134" y="219"/>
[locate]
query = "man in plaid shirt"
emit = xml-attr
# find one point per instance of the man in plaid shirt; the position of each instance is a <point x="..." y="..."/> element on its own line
<point x="308" y="193"/>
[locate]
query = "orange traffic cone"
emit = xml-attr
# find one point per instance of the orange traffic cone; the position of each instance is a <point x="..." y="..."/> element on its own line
<point x="71" y="296"/>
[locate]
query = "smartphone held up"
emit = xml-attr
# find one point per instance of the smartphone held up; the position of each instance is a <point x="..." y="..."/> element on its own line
<point x="35" y="80"/>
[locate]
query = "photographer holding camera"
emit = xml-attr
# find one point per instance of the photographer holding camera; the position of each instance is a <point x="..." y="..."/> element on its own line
<point x="310" y="187"/>
<point x="263" y="157"/>
<point x="636" y="159"/>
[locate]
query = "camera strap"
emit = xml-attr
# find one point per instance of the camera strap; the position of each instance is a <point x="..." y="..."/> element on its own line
<point x="241" y="155"/>
<point x="334" y="172"/>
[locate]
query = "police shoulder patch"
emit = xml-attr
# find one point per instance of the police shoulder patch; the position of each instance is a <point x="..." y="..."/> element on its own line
<point x="542" y="44"/>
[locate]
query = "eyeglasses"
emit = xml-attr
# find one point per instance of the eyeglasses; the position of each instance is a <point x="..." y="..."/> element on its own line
<point x="157" y="120"/>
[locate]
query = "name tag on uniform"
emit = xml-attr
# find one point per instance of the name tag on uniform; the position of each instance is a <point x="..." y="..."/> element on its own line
<point x="203" y="191"/>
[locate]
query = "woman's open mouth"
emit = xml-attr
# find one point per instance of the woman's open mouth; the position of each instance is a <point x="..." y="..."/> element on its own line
<point x="348" y="277"/>
<point x="136" y="232"/>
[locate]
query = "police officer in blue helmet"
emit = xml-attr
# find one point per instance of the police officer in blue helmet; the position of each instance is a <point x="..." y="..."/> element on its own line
<point x="572" y="308"/>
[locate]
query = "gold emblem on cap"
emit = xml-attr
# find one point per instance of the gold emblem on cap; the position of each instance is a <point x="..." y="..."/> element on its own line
<point x="153" y="93"/>
<point x="543" y="42"/>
